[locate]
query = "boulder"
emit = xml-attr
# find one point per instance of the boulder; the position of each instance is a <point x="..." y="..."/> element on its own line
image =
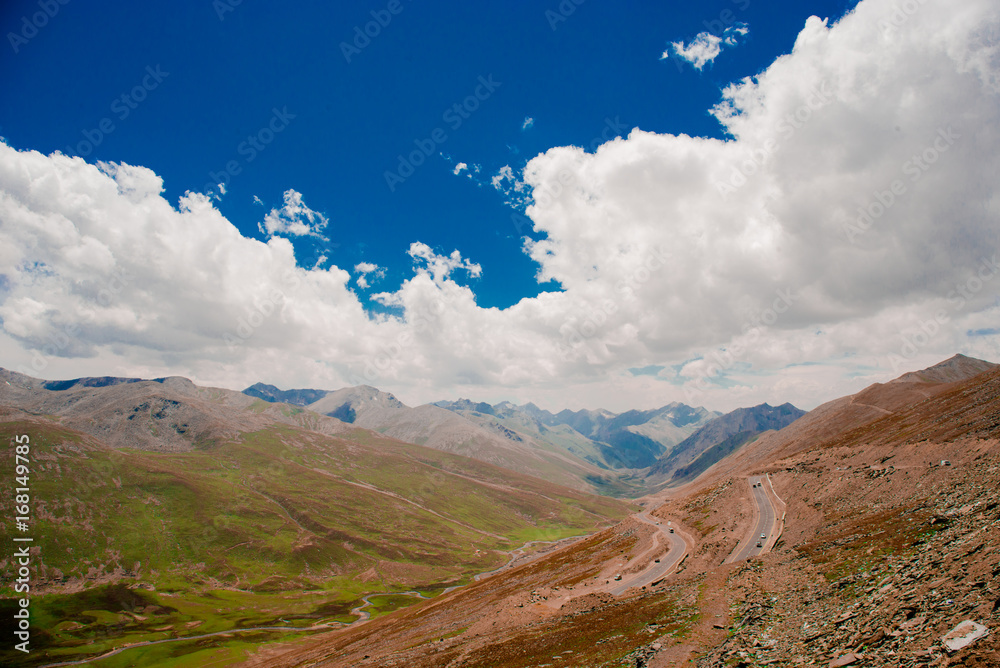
<point x="963" y="635"/>
<point x="845" y="660"/>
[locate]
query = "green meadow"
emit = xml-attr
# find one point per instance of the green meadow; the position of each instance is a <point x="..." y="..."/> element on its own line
<point x="281" y="527"/>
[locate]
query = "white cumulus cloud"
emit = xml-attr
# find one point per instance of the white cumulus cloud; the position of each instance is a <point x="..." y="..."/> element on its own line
<point x="293" y="218"/>
<point x="505" y="175"/>
<point x="706" y="46"/>
<point x="363" y="269"/>
<point x="844" y="231"/>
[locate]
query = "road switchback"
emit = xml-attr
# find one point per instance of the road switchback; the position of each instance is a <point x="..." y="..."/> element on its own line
<point x="656" y="571"/>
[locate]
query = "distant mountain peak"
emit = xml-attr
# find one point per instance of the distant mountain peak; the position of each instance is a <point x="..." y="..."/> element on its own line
<point x="955" y="368"/>
<point x="272" y="394"/>
<point x="721" y="437"/>
<point x="95" y="381"/>
<point x="467" y="405"/>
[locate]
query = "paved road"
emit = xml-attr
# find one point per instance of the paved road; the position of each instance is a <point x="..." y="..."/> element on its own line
<point x="766" y="523"/>
<point x="667" y="563"/>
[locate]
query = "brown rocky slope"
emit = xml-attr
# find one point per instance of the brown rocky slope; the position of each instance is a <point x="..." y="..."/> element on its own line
<point x="891" y="540"/>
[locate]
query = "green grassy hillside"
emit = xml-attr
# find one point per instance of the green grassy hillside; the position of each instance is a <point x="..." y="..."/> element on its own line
<point x="282" y="527"/>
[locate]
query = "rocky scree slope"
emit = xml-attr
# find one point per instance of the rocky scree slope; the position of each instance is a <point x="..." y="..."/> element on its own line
<point x="884" y="551"/>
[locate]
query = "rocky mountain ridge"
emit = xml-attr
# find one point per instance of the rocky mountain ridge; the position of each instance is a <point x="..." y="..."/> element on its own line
<point x="721" y="437"/>
<point x="630" y="440"/>
<point x="886" y="555"/>
<point x="160" y="507"/>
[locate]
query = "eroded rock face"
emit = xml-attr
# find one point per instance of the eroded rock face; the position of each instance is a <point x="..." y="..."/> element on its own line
<point x="963" y="635"/>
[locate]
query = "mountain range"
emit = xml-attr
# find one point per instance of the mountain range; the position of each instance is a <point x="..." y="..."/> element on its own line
<point x="721" y="437"/>
<point x="226" y="511"/>
<point x="635" y="450"/>
<point x="884" y="554"/>
<point x="194" y="524"/>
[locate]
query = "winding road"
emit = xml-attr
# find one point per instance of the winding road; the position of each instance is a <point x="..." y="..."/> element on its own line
<point x="364" y="616"/>
<point x="668" y="562"/>
<point x="766" y="524"/>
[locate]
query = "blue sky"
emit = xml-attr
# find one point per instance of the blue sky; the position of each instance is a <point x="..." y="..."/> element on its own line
<point x="616" y="205"/>
<point x="596" y="75"/>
